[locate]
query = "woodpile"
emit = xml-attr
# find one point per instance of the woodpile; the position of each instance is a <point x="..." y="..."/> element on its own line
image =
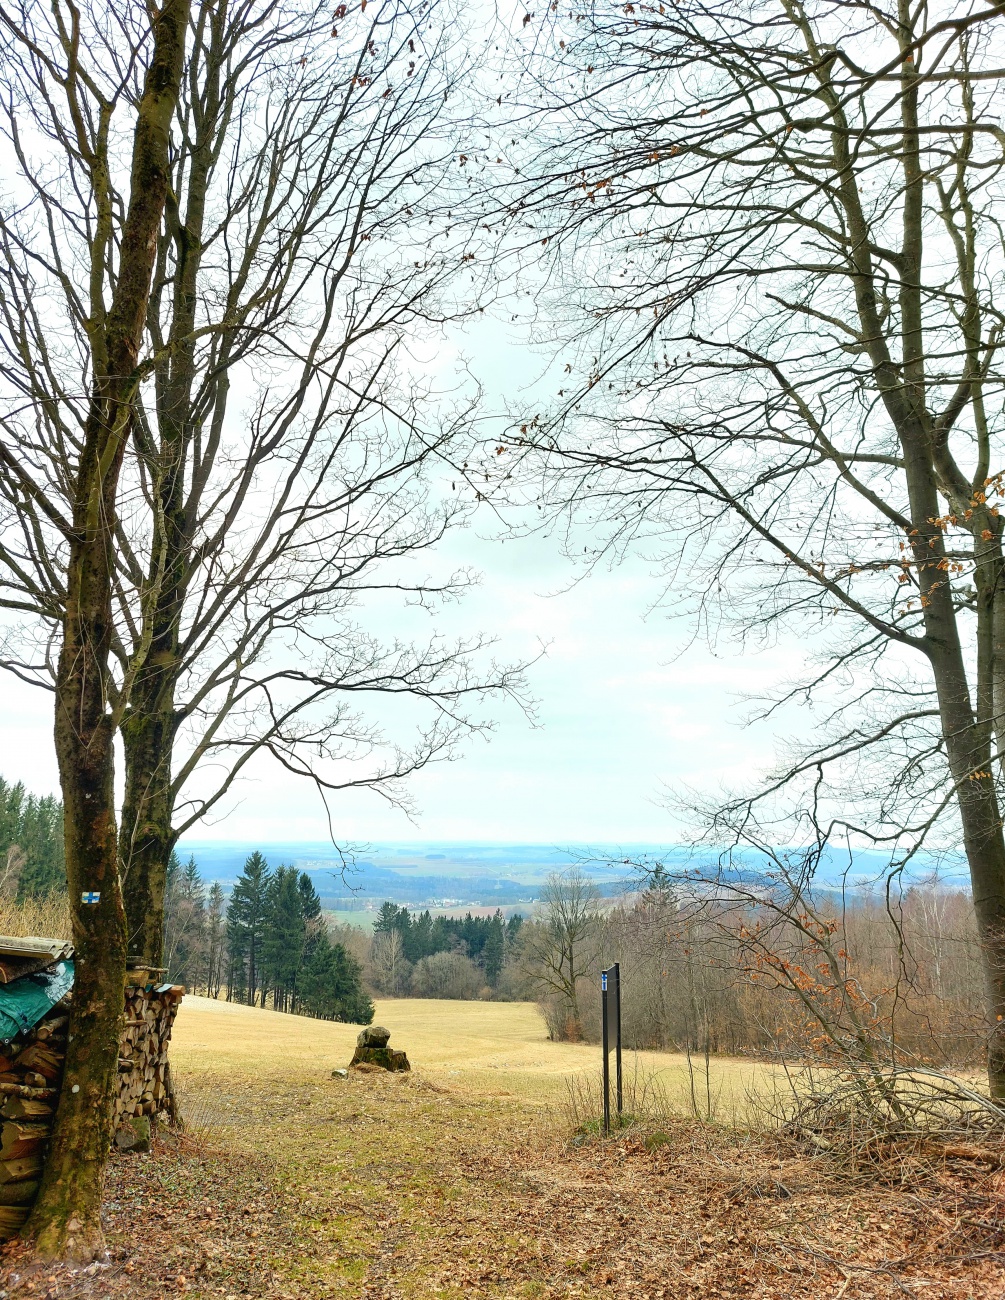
<point x="31" y="1074"/>
<point x="144" y="1075"/>
<point x="31" y="1069"/>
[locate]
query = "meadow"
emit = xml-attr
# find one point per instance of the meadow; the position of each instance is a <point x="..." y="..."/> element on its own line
<point x="487" y="1048"/>
<point x="473" y="1175"/>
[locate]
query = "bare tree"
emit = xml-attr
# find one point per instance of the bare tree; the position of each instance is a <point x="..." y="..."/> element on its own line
<point x="283" y="465"/>
<point x="557" y="950"/>
<point x="252" y="627"/>
<point x="785" y="380"/>
<point x="59" y="85"/>
<point x="391" y="969"/>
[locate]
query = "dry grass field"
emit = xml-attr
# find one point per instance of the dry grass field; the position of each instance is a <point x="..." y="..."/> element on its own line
<point x="491" y="1048"/>
<point x="466" y="1178"/>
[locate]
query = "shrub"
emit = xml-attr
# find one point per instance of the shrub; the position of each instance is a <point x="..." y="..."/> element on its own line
<point x="446" y="975"/>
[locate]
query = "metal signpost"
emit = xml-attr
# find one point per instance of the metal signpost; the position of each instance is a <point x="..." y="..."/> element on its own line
<point x="610" y="980"/>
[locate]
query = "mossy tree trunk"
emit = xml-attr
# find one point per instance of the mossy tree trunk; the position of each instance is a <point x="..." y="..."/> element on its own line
<point x="65" y="1221"/>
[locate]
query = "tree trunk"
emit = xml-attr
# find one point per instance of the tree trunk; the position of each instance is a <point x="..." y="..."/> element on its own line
<point x="65" y="1220"/>
<point x="968" y="745"/>
<point x="147" y="812"/>
<point x="150" y="725"/>
<point x="980" y="814"/>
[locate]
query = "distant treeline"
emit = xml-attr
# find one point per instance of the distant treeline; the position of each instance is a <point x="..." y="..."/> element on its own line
<point x="481" y="938"/>
<point x="708" y="975"/>
<point x="268" y="946"/>
<point x="441" y="956"/>
<point x="31" y="843"/>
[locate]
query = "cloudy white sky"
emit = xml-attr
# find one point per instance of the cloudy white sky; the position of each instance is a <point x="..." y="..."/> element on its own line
<point x="627" y="704"/>
<point x="622" y="710"/>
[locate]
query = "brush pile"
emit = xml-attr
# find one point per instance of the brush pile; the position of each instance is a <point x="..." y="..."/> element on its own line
<point x="892" y="1118"/>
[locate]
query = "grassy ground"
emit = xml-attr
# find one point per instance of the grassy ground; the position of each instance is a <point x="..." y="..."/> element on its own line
<point x="464" y="1178"/>
<point x="494" y="1048"/>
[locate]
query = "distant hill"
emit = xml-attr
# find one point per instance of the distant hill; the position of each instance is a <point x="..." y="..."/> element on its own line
<point x="447" y="875"/>
<point x="437" y="874"/>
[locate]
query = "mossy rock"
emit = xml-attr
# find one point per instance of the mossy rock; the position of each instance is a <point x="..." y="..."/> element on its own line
<point x="134" y="1134"/>
<point x="654" y="1141"/>
<point x="373" y="1036"/>
<point x="384" y="1057"/>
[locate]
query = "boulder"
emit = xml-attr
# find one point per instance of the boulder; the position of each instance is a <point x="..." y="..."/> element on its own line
<point x="373" y="1053"/>
<point x="373" y="1036"/>
<point x="340" y="1074"/>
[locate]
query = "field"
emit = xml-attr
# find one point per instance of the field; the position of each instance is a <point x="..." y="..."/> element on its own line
<point x="490" y="1048"/>
<point x="468" y="1177"/>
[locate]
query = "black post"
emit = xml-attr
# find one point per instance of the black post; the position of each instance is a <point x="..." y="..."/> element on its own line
<point x="607" y="1065"/>
<point x="617" y="1036"/>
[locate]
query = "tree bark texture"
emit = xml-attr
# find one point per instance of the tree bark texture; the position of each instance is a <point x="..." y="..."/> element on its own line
<point x="65" y="1221"/>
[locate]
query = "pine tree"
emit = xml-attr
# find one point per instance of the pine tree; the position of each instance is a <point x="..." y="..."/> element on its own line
<point x="420" y="937"/>
<point x="332" y="985"/>
<point x="246" y="921"/>
<point x="494" y="950"/>
<point x="31" y="842"/>
<point x="513" y="930"/>
<point x="284" y="938"/>
<point x="389" y="918"/>
<point x="310" y="900"/>
<point x="184" y="922"/>
<point x="44" y="870"/>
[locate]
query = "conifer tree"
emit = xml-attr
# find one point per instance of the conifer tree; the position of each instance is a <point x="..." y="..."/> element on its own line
<point x="284" y="938"/>
<point x="493" y="951"/>
<point x="184" y="922"/>
<point x="332" y="985"/>
<point x="246" y="923"/>
<point x="310" y="901"/>
<point x="215" y="939"/>
<point x="31" y="842"/>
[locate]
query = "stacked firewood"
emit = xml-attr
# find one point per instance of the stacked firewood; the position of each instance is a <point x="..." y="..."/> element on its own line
<point x="144" y="1080"/>
<point x="31" y="1069"/>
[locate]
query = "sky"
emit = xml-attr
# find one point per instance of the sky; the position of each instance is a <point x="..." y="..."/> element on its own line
<point x="628" y="706"/>
<point x="624" y="709"/>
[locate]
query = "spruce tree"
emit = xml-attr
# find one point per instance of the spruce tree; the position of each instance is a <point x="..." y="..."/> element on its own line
<point x="184" y="922"/>
<point x="332" y="985"/>
<point x="246" y="923"/>
<point x="388" y="918"/>
<point x="284" y="937"/>
<point x="494" y="950"/>
<point x="420" y="938"/>
<point x="31" y="842"/>
<point x="310" y="900"/>
<point x="215" y="935"/>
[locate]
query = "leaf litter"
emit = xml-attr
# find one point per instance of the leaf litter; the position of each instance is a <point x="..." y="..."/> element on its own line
<point x="394" y="1188"/>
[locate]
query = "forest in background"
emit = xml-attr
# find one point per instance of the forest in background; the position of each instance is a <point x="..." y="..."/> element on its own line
<point x="701" y="978"/>
<point x="269" y="944"/>
<point x="861" y="979"/>
<point x="31" y="842"/>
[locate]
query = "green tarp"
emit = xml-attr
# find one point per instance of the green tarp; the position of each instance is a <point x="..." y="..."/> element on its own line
<point x="23" y="1002"/>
